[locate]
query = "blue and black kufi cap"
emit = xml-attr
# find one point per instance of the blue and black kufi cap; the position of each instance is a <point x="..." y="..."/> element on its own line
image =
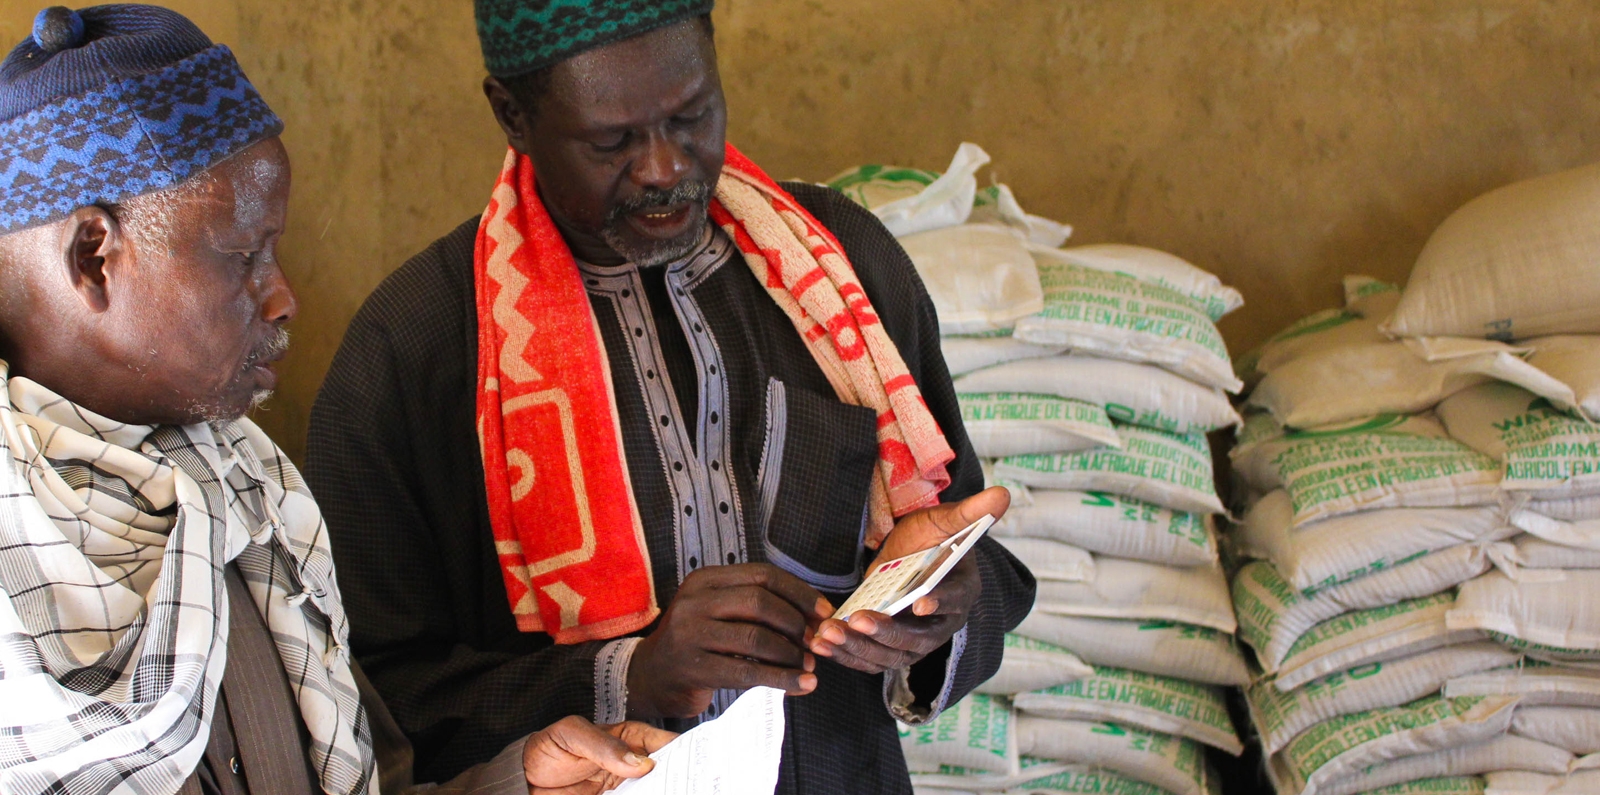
<point x="522" y="36"/>
<point x="107" y="103"/>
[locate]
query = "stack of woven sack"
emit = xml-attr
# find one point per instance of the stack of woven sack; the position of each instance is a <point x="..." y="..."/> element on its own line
<point x="1423" y="478"/>
<point x="1088" y="379"/>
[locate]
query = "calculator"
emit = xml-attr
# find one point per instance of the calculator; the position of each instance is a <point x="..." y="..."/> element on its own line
<point x="897" y="584"/>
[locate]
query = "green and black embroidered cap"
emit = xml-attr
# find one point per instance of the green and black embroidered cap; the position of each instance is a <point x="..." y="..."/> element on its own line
<point x="522" y="36"/>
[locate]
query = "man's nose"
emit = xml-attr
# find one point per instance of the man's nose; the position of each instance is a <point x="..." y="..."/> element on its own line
<point x="663" y="163"/>
<point x="278" y="302"/>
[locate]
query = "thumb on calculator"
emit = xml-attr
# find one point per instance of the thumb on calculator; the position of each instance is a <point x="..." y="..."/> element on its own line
<point x="929" y="527"/>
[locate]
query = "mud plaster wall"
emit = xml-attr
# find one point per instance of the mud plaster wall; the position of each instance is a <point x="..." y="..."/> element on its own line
<point x="1279" y="143"/>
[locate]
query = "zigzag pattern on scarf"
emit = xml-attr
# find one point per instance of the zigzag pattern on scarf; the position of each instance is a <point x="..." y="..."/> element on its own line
<point x="520" y="36"/>
<point x="132" y="137"/>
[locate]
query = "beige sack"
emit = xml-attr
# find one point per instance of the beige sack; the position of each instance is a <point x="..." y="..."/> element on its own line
<point x="1573" y="360"/>
<point x="1516" y="262"/>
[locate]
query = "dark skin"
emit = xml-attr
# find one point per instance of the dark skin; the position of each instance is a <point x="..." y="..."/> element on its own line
<point x="152" y="327"/>
<point x="169" y="314"/>
<point x="637" y="118"/>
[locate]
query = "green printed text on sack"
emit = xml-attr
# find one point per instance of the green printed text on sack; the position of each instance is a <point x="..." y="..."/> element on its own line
<point x="1023" y="407"/>
<point x="1326" y="741"/>
<point x="1113" y="300"/>
<point x="1174" y="697"/>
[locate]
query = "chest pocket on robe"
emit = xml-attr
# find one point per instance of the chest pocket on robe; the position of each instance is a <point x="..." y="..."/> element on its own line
<point x="815" y="470"/>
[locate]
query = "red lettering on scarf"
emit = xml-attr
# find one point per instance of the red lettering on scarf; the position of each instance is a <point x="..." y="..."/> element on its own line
<point x="851" y="348"/>
<point x="856" y="299"/>
<point x="806" y="282"/>
<point x="902" y="464"/>
<point x="898" y="383"/>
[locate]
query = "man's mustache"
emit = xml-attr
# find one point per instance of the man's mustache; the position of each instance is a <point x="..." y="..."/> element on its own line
<point x="687" y="192"/>
<point x="272" y="347"/>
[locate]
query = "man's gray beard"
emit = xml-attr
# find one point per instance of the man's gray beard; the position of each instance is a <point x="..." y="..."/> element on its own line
<point x="218" y="416"/>
<point x="660" y="252"/>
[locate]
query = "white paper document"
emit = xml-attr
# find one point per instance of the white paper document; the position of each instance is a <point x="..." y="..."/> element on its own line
<point x="736" y="754"/>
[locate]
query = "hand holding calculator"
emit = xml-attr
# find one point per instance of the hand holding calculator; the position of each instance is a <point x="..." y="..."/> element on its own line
<point x="895" y="585"/>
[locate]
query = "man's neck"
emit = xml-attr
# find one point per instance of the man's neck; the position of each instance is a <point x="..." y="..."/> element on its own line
<point x="586" y="247"/>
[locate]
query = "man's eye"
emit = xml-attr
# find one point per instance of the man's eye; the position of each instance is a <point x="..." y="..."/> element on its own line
<point x="614" y="144"/>
<point x="686" y="120"/>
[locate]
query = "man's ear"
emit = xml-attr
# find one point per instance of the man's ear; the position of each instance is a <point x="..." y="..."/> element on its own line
<point x="517" y="124"/>
<point x="91" y="245"/>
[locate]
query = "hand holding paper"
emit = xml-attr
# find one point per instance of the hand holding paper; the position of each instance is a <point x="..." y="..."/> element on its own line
<point x="736" y="754"/>
<point x="575" y="756"/>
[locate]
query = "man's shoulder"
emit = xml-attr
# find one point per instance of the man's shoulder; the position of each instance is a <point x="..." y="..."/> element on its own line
<point x="417" y="325"/>
<point x="436" y="280"/>
<point x="843" y="217"/>
<point x="879" y="261"/>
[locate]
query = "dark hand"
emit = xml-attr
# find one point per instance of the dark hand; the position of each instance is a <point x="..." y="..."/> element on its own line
<point x="873" y="642"/>
<point x="577" y="757"/>
<point x="737" y="626"/>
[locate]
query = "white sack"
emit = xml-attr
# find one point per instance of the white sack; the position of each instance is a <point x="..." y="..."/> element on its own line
<point x="1453" y="785"/>
<point x="1202" y="288"/>
<point x="981" y="277"/>
<point x="1368" y="636"/>
<point x="1273" y="616"/>
<point x="1138" y="394"/>
<point x="1134" y="589"/>
<point x="1367" y="302"/>
<point x="1513" y="263"/>
<point x="1030" y="664"/>
<point x="1534" y="683"/>
<point x="1551" y="620"/>
<point x="1172" y="763"/>
<point x="996" y="204"/>
<point x="1052" y="560"/>
<point x="978" y="733"/>
<point x="1518" y="782"/>
<point x="1015" y="423"/>
<point x="910" y="200"/>
<point x="1574" y="729"/>
<point x="1567" y="509"/>
<point x="1342" y="748"/>
<point x="1113" y="525"/>
<point x="1545" y="450"/>
<point x="1536" y="553"/>
<point x="1087" y="781"/>
<point x="1337" y="550"/>
<point x="1168" y="648"/>
<point x="1119" y="317"/>
<point x="1386" y="462"/>
<point x="965" y="354"/>
<point x="1573" y="360"/>
<point x="957" y="780"/>
<point x="1496" y="753"/>
<point x="1279" y="717"/>
<point x="1021" y="496"/>
<point x="1340" y="384"/>
<point x="1134" y="698"/>
<point x="1155" y="466"/>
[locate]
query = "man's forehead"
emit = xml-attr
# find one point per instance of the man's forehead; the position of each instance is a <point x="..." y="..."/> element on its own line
<point x="658" y="72"/>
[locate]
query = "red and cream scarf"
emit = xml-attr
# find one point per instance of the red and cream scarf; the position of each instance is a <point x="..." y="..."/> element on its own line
<point x="566" y="527"/>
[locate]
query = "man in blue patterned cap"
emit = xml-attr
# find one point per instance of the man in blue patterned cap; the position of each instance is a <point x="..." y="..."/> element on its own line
<point x="617" y="447"/>
<point x="169" y="617"/>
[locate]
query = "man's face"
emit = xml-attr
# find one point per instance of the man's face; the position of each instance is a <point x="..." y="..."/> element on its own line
<point x="628" y="142"/>
<point x="208" y="298"/>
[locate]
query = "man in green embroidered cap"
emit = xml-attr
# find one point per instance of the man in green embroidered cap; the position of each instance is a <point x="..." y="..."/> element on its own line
<point x="617" y="447"/>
